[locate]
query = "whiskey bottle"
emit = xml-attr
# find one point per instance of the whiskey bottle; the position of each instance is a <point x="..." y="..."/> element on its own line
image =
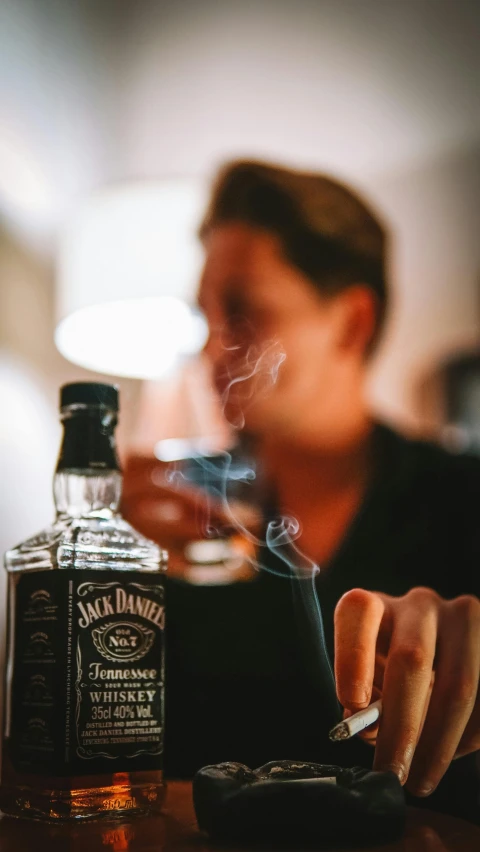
<point x="84" y="697"/>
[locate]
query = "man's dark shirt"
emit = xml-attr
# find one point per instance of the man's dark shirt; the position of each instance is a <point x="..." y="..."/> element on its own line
<point x="243" y="683"/>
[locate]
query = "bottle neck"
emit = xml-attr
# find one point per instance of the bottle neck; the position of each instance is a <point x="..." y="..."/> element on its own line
<point x="88" y="480"/>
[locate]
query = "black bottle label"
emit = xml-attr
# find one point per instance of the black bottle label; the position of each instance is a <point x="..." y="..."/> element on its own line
<point x="88" y="678"/>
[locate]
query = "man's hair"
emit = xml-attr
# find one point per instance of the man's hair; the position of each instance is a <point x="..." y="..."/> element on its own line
<point x="326" y="230"/>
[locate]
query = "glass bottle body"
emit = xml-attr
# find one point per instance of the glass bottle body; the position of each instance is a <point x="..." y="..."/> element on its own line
<point x="85" y="665"/>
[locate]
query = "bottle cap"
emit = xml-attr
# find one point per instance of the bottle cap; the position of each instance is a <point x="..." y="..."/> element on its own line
<point x="89" y="393"/>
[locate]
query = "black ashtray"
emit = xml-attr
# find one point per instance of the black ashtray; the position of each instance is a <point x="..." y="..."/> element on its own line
<point x="289" y="802"/>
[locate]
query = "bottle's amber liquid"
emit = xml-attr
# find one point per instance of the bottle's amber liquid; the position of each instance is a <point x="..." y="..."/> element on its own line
<point x="79" y="797"/>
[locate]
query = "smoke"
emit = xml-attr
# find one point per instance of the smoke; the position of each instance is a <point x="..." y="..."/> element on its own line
<point x="257" y="370"/>
<point x="280" y="540"/>
<point x="223" y="475"/>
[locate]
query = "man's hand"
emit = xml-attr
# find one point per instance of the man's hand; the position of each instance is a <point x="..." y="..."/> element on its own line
<point x="421" y="654"/>
<point x="172" y="512"/>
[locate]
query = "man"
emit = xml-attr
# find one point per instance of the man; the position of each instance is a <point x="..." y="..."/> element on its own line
<point x="294" y="291"/>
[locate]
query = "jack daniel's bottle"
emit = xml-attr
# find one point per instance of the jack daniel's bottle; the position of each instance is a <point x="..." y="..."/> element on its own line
<point x="84" y="699"/>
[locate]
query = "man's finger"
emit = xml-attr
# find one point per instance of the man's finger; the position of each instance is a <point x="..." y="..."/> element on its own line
<point x="453" y="696"/>
<point x="471" y="737"/>
<point x="406" y="685"/>
<point x="358" y="616"/>
<point x="191" y="497"/>
<point x="169" y="520"/>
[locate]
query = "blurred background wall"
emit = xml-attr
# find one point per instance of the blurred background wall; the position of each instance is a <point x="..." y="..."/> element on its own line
<point x="381" y="93"/>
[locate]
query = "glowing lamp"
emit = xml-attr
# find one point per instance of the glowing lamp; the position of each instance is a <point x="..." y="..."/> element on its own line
<point x="128" y="268"/>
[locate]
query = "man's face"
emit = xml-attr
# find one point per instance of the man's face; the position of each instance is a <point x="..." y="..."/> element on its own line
<point x="271" y="342"/>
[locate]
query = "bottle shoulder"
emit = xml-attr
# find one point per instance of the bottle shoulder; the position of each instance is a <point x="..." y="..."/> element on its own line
<point x="93" y="542"/>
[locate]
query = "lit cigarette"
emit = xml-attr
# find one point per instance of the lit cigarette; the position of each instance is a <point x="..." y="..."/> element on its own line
<point x="356" y="723"/>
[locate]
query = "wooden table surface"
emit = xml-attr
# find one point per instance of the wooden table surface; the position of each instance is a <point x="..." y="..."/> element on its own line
<point x="176" y="831"/>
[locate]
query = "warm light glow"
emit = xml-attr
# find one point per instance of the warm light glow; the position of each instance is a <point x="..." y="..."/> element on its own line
<point x="128" y="271"/>
<point x="176" y="449"/>
<point x="137" y="338"/>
